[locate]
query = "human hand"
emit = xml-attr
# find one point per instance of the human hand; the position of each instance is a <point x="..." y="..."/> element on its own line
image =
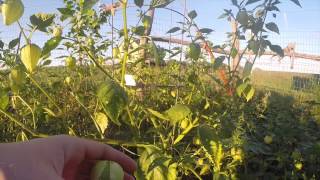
<point x="57" y="158"/>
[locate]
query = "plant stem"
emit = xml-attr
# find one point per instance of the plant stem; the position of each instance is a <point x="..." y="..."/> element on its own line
<point x="122" y="143"/>
<point x="23" y="33"/>
<point x="18" y="48"/>
<point x="43" y="91"/>
<point x="126" y="41"/>
<point x="23" y="126"/>
<point x="31" y="110"/>
<point x="195" y="173"/>
<point x="93" y="119"/>
<point x="130" y="116"/>
<point x="96" y="63"/>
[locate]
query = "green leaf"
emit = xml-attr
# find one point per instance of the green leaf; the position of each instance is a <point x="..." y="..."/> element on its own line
<point x="247" y="69"/>
<point x="249" y="93"/>
<point x="156" y="54"/>
<point x="4" y="99"/>
<point x="21" y="137"/>
<point x="151" y="156"/>
<point x="273" y="27"/>
<point x="65" y="13"/>
<point x="206" y="30"/>
<point x="254" y="46"/>
<point x="139" y="3"/>
<point x="147" y="20"/>
<point x="159" y="162"/>
<point x="172" y="172"/>
<point x="46" y="62"/>
<point x="158" y="114"/>
<point x="113" y="98"/>
<point x="252" y="1"/>
<point x="277" y="49"/>
<point x="243" y="18"/>
<point x="101" y="121"/>
<point x="88" y="4"/>
<point x="218" y="62"/>
<point x="240" y="89"/>
<point x="160" y="3"/>
<point x="192" y="15"/>
<point x="224" y="15"/>
<point x="205" y="169"/>
<point x="49" y="112"/>
<point x="139" y="30"/>
<point x="207" y="135"/>
<point x="296" y="2"/>
<point x="1" y="43"/>
<point x="42" y="21"/>
<point x="184" y="133"/>
<point x="235" y="2"/>
<point x="173" y="30"/>
<point x="234" y="52"/>
<point x="50" y="45"/>
<point x="13" y="43"/>
<point x="178" y="113"/>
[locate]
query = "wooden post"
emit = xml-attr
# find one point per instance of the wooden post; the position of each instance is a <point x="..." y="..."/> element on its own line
<point x="147" y="32"/>
<point x="235" y="39"/>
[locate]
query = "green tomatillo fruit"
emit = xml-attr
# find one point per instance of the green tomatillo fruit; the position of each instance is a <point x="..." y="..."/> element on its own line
<point x="194" y="51"/>
<point x="107" y="170"/>
<point x="101" y="60"/>
<point x="116" y="52"/>
<point x="11" y="10"/>
<point x="200" y="162"/>
<point x="67" y="80"/>
<point x="184" y="124"/>
<point x="298" y="166"/>
<point x="90" y="42"/>
<point x="30" y="56"/>
<point x="268" y="139"/>
<point x="196" y="141"/>
<point x="17" y="78"/>
<point x="57" y="31"/>
<point x="70" y="62"/>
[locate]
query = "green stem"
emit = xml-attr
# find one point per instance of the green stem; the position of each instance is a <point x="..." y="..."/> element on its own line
<point x="18" y="48"/>
<point x="192" y="91"/>
<point x="195" y="173"/>
<point x="122" y="143"/>
<point x="23" y="33"/>
<point x="31" y="110"/>
<point x="23" y="126"/>
<point x="96" y="63"/>
<point x="93" y="119"/>
<point x="126" y="41"/>
<point x="130" y="116"/>
<point x="43" y="91"/>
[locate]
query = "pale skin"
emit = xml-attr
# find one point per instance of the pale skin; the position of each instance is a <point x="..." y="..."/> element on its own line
<point x="57" y="158"/>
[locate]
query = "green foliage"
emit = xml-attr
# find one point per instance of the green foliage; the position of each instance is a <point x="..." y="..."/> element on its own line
<point x="4" y="99"/>
<point x="139" y="3"/>
<point x="273" y="27"/>
<point x="50" y="45"/>
<point x="41" y="21"/>
<point x="113" y="98"/>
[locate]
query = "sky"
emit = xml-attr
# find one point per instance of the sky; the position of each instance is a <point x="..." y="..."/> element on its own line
<point x="300" y="25"/>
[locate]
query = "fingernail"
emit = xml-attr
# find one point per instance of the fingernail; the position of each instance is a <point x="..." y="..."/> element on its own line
<point x="133" y="178"/>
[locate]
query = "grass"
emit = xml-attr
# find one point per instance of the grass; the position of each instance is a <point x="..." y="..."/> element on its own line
<point x="281" y="82"/>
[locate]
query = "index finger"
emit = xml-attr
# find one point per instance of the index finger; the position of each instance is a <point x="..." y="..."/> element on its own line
<point x="97" y="151"/>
